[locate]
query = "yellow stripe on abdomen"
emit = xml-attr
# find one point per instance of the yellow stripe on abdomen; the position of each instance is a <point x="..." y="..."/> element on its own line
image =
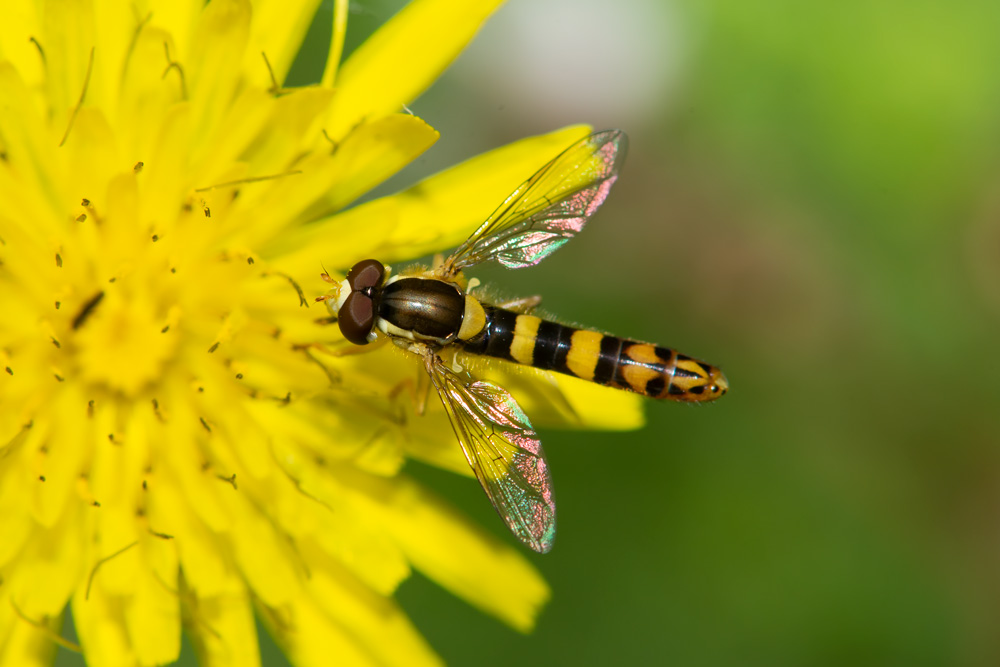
<point x="522" y="347"/>
<point x="584" y="351"/>
<point x="646" y="369"/>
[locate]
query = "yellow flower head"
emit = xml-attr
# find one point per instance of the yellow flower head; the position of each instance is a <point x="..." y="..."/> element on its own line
<point x="177" y="440"/>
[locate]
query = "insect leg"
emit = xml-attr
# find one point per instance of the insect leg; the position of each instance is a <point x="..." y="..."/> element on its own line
<point x="419" y="389"/>
<point x="522" y="305"/>
<point x="345" y="349"/>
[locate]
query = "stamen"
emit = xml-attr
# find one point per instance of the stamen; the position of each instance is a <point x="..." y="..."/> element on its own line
<point x="42" y="625"/>
<point x="174" y="65"/>
<point x="231" y="479"/>
<point x="93" y="573"/>
<point x="87" y="309"/>
<point x="275" y="88"/>
<point x="133" y="41"/>
<point x="250" y="179"/>
<point x="79" y="103"/>
<point x="331" y="375"/>
<point x="303" y="301"/>
<point x="333" y="144"/>
<point x="41" y="51"/>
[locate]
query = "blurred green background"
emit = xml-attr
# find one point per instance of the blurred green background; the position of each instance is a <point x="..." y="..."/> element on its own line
<point x="810" y="202"/>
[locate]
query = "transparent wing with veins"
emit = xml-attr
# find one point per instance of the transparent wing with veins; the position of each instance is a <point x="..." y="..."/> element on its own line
<point x="548" y="209"/>
<point x="503" y="451"/>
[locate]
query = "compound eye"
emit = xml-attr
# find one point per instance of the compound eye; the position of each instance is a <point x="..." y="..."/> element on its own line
<point x="357" y="317"/>
<point x="365" y="274"/>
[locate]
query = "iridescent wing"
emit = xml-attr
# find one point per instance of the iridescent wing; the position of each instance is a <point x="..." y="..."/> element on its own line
<point x="548" y="209"/>
<point x="504" y="452"/>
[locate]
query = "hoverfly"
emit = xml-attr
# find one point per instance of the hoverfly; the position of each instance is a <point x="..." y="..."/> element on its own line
<point x="431" y="311"/>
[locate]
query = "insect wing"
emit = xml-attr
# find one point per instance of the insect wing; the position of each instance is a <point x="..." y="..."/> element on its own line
<point x="548" y="209"/>
<point x="504" y="452"/>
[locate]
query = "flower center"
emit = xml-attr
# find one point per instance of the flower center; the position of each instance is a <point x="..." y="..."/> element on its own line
<point x="122" y="344"/>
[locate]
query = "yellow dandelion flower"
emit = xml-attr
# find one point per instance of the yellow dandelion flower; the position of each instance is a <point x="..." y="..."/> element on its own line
<point x="176" y="443"/>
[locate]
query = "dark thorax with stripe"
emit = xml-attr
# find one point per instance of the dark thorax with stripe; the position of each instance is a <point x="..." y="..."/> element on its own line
<point x="643" y="368"/>
<point x="421" y="309"/>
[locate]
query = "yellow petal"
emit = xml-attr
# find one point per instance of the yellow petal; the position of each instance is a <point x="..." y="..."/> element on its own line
<point x="178" y="18"/>
<point x="147" y="91"/>
<point x="152" y="613"/>
<point x="47" y="572"/>
<point x="210" y="497"/>
<point x="201" y="552"/>
<point x="341" y="240"/>
<point x="374" y="621"/>
<point x="366" y="157"/>
<point x="100" y="625"/>
<point x="24" y="643"/>
<point x="249" y="119"/>
<point x="15" y="525"/>
<point x="342" y="529"/>
<point x="92" y="157"/>
<point x="289" y="130"/>
<point x="114" y="33"/>
<point x="296" y="626"/>
<point x="403" y="58"/>
<point x="265" y="558"/>
<point x="68" y="39"/>
<point x="277" y="31"/>
<point x="336" y="43"/>
<point x="441" y="211"/>
<point x="374" y="152"/>
<point x="212" y="70"/>
<point x="223" y="631"/>
<point x="22" y="22"/>
<point x="452" y="550"/>
<point x="28" y="145"/>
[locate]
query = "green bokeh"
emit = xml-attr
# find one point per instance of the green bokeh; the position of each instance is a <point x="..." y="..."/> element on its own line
<point x="818" y="219"/>
<point x="821" y="219"/>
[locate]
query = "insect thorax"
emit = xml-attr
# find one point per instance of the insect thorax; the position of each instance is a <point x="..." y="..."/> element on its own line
<point x="421" y="309"/>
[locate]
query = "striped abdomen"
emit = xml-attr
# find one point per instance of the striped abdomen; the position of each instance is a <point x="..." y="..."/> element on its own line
<point x="653" y="371"/>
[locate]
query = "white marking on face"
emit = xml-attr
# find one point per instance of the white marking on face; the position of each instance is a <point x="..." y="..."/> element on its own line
<point x="343" y="291"/>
